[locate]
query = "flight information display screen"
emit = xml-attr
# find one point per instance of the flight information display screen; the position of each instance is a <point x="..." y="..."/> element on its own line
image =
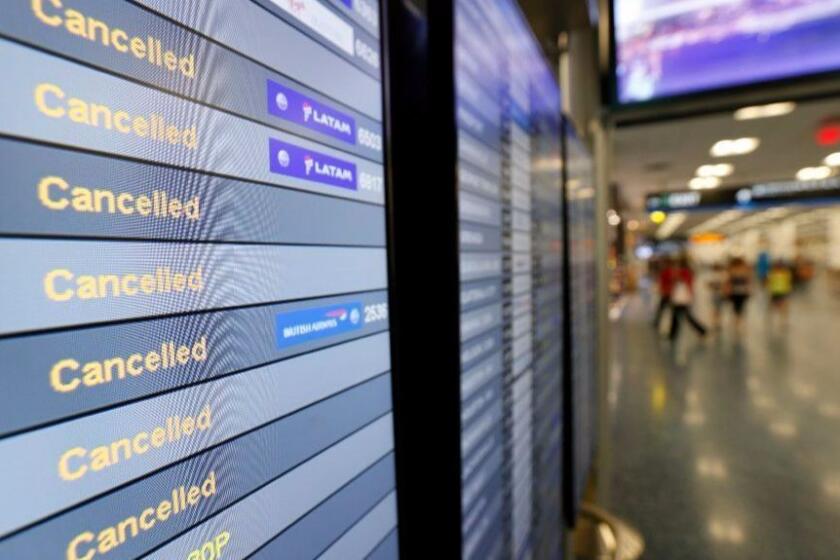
<point x="509" y="198"/>
<point x="193" y="314"/>
<point x="583" y="397"/>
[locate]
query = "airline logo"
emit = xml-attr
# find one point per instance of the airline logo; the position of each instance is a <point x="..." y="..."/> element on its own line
<point x="306" y="325"/>
<point x="288" y="104"/>
<point x="320" y="19"/>
<point x="302" y="163"/>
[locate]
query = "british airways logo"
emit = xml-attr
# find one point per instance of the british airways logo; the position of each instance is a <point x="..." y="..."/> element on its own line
<point x="306" y="325"/>
<point x="296" y="161"/>
<point x="291" y="105"/>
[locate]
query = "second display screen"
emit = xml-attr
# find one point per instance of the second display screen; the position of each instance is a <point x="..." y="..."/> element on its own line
<point x="509" y="200"/>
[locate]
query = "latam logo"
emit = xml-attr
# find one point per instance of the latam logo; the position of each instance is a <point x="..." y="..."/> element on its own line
<point x="296" y="161"/>
<point x="325" y="120"/>
<point x="293" y="106"/>
<point x="326" y="170"/>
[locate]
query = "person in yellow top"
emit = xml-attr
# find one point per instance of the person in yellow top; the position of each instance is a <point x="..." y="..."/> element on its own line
<point x="780" y="286"/>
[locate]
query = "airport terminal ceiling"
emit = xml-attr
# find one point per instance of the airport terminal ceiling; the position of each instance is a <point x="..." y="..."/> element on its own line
<point x="665" y="156"/>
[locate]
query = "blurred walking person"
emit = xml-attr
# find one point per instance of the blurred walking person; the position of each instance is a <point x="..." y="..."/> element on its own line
<point x="739" y="288"/>
<point x="803" y="272"/>
<point x="682" y="297"/>
<point x="780" y="286"/>
<point x="762" y="267"/>
<point x="717" y="286"/>
<point x="665" y="282"/>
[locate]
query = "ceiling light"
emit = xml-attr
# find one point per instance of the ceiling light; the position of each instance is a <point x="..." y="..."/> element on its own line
<point x="719" y="170"/>
<point x="831" y="486"/>
<point x="783" y="428"/>
<point x="813" y="173"/>
<point x="764" y="402"/>
<point x="726" y="531"/>
<point x="829" y="410"/>
<point x="711" y="467"/>
<point x="765" y="111"/>
<point x="702" y="183"/>
<point x="832" y="159"/>
<point x="694" y="418"/>
<point x="734" y="147"/>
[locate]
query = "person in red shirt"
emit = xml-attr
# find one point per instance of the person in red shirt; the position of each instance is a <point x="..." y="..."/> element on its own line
<point x="682" y="296"/>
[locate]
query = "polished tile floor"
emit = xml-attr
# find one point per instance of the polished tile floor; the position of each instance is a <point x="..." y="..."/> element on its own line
<point x="729" y="447"/>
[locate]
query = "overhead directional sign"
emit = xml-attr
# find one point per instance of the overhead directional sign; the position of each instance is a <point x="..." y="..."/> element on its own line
<point x="772" y="193"/>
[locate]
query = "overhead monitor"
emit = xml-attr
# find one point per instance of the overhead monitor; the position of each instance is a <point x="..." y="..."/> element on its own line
<point x="193" y="284"/>
<point x="671" y="48"/>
